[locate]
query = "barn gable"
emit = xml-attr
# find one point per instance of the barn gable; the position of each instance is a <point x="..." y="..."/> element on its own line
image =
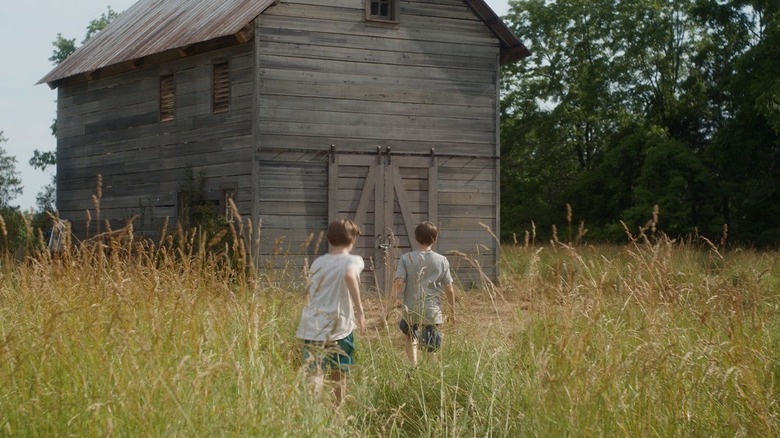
<point x="150" y="27"/>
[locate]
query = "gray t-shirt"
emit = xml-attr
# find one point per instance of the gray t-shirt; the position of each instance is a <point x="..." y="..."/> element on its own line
<point x="426" y="273"/>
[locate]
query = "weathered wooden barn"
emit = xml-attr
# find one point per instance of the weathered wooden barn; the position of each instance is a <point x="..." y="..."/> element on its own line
<point x="384" y="111"/>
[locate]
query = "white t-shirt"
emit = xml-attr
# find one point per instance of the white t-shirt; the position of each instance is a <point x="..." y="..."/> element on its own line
<point x="329" y="315"/>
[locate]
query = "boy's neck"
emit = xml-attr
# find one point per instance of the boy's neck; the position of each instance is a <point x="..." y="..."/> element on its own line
<point x="424" y="248"/>
<point x="339" y="250"/>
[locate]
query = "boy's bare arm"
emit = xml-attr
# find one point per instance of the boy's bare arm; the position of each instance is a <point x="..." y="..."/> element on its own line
<point x="449" y="292"/>
<point x="353" y="285"/>
<point x="398" y="288"/>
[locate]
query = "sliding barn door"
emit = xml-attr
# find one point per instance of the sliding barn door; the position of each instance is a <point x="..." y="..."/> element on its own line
<point x="387" y="195"/>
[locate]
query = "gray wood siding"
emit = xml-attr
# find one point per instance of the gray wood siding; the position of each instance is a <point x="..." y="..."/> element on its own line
<point x="292" y="195"/>
<point x="297" y="191"/>
<point x="327" y="77"/>
<point x="467" y="216"/>
<point x="110" y="126"/>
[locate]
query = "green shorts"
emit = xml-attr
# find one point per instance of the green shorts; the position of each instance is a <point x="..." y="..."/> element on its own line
<point x="329" y="355"/>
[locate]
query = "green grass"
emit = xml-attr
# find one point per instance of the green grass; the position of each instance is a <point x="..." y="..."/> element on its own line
<point x="661" y="339"/>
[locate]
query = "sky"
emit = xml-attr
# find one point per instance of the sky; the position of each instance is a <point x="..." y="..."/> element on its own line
<point x="27" y="30"/>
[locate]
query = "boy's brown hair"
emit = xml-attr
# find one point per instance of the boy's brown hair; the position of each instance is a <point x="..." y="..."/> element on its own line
<point x="342" y="232"/>
<point x="426" y="233"/>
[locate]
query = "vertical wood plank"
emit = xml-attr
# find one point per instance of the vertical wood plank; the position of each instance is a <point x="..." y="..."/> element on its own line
<point x="379" y="220"/>
<point x="497" y="169"/>
<point x="389" y="217"/>
<point x="256" y="140"/>
<point x="365" y="196"/>
<point x="403" y="203"/>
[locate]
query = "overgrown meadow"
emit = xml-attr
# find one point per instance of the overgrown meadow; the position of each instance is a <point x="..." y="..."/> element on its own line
<point x="653" y="338"/>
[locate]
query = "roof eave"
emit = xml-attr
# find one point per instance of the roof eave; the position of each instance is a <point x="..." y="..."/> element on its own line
<point x="514" y="54"/>
<point x="179" y="27"/>
<point x="512" y="49"/>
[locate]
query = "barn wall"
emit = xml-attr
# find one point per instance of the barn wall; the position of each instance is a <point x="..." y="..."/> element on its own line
<point x="292" y="191"/>
<point x="110" y="126"/>
<point x="326" y="76"/>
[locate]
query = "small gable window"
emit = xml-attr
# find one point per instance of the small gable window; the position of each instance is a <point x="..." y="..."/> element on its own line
<point x="220" y="88"/>
<point x="167" y="98"/>
<point x="383" y="10"/>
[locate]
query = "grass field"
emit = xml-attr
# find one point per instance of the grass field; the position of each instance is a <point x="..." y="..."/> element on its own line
<point x="649" y="339"/>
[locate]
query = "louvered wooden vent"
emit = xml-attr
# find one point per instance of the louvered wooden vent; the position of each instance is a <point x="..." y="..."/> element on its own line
<point x="167" y="98"/>
<point x="221" y="88"/>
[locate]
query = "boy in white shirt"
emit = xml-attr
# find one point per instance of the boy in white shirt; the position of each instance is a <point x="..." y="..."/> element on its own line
<point x="334" y="309"/>
<point x="422" y="275"/>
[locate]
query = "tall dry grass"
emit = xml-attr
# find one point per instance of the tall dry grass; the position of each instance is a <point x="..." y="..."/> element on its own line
<point x="655" y="338"/>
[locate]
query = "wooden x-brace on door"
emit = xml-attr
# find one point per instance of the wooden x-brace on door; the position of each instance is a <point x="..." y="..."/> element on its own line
<point x="387" y="195"/>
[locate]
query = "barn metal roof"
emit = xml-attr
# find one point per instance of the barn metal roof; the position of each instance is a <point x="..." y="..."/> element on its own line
<point x="155" y="26"/>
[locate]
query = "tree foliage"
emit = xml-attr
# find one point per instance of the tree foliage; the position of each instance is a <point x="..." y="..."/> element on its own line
<point x="746" y="150"/>
<point x="64" y="47"/>
<point x="13" y="232"/>
<point x="100" y="23"/>
<point x="628" y="105"/>
<point x="42" y="160"/>
<point x="10" y="183"/>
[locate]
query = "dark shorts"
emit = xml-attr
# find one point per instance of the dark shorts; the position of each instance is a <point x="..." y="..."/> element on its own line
<point x="428" y="335"/>
<point x="329" y="355"/>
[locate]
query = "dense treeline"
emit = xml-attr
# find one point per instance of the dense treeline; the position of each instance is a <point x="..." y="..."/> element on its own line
<point x="631" y="104"/>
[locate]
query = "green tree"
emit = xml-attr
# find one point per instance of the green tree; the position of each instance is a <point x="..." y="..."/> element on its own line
<point x="10" y="184"/>
<point x="64" y="47"/>
<point x="626" y="105"/>
<point x="660" y="43"/>
<point x="100" y="23"/>
<point x="558" y="107"/>
<point x="46" y="199"/>
<point x="746" y="150"/>
<point x="571" y="74"/>
<point x="42" y="160"/>
<point x="673" y="177"/>
<point x="13" y="233"/>
<point x="610" y="190"/>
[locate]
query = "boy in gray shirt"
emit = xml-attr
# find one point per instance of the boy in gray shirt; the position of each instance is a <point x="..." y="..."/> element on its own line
<point x="421" y="277"/>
